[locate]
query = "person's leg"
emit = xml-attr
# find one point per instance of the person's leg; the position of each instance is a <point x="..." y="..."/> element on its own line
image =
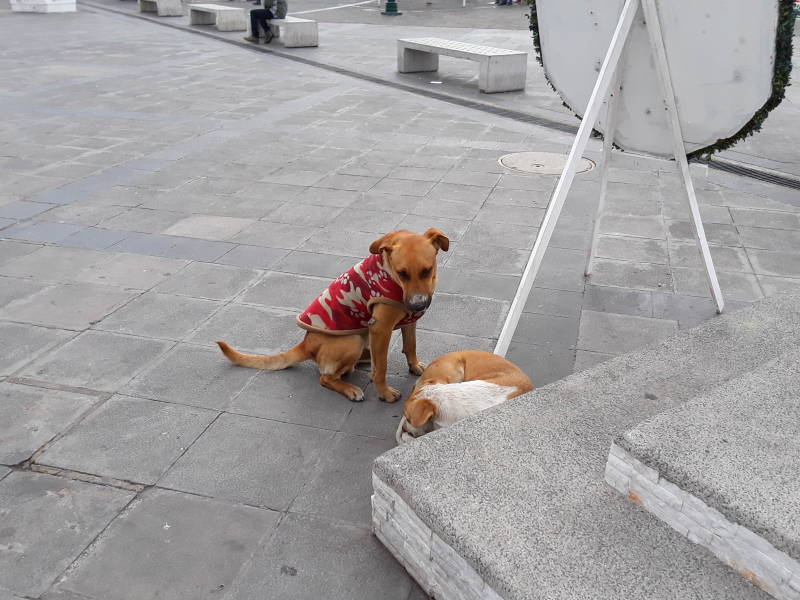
<point x="254" y="20"/>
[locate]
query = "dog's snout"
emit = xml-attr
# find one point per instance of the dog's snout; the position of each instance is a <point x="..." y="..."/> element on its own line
<point x="418" y="302"/>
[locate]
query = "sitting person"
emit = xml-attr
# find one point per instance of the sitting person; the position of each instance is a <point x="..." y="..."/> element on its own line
<point x="262" y="16"/>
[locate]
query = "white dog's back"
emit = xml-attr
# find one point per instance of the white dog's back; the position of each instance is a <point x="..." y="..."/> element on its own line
<point x="455" y="401"/>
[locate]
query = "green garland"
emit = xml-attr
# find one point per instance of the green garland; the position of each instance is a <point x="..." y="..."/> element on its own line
<point x="780" y="74"/>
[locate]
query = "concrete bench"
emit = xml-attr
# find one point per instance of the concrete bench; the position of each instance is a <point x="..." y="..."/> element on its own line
<point x="294" y="32"/>
<point x="226" y="18"/>
<point x="512" y="503"/>
<point x="500" y="70"/>
<point x="164" y="8"/>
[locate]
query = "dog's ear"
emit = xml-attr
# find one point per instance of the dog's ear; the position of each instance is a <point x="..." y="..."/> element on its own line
<point x="419" y="412"/>
<point x="382" y="243"/>
<point x="438" y="239"/>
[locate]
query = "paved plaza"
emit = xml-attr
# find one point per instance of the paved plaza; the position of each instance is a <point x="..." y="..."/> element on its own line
<point x="160" y="190"/>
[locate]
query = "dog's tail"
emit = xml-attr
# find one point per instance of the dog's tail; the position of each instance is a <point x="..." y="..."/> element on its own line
<point x="269" y="363"/>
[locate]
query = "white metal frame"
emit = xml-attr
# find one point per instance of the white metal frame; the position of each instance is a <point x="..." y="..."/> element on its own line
<point x="604" y="92"/>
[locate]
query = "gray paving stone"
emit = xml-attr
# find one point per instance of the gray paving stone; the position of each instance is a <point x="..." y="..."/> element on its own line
<point x="468" y="177"/>
<point x="340" y="242"/>
<point x="781" y="240"/>
<point x="777" y="285"/>
<point x="574" y="239"/>
<point x="275" y="235"/>
<point x="473" y="283"/>
<point x="107" y="361"/>
<point x="558" y="303"/>
<point x="405" y="187"/>
<point x="310" y="558"/>
<point x="688" y="311"/>
<point x="251" y="328"/>
<point x="726" y="258"/>
<point x="328" y="197"/>
<point x="547" y="331"/>
<point x="377" y="222"/>
<point x="618" y="300"/>
<point x="512" y="197"/>
<point x="4" y="471"/>
<point x="295" y="396"/>
<point x="82" y="212"/>
<point x="313" y="263"/>
<point x="650" y="227"/>
<point x="541" y="364"/>
<point x="501" y="234"/>
<point x="512" y="215"/>
<point x="527" y="182"/>
<point x="286" y="291"/>
<point x="53" y="520"/>
<point x="734" y="286"/>
<point x="778" y="264"/>
<point x="23" y="209"/>
<point x="131" y="271"/>
<point x="252" y="257"/>
<point x="41" y="231"/>
<point x="341" y="486"/>
<point x="254" y="461"/>
<point x="632" y="275"/>
<point x="585" y="359"/>
<point x="613" y="334"/>
<point x="766" y="218"/>
<point x="465" y="315"/>
<point x="161" y="316"/>
<point x="208" y="227"/>
<point x="562" y="269"/>
<point x="172" y="247"/>
<point x="24" y="343"/>
<point x="418" y="173"/>
<point x="12" y="289"/>
<point x="303" y="214"/>
<point x="172" y="546"/>
<point x="204" y="280"/>
<point x="69" y="306"/>
<point x="53" y="264"/>
<point x="716" y="233"/>
<point x="94" y="238"/>
<point x="129" y="438"/>
<point x="488" y="259"/>
<point x="33" y="416"/>
<point x="192" y="375"/>
<point x="348" y="182"/>
<point x="641" y="250"/>
<point x="12" y="249"/>
<point x="453" y="228"/>
<point x="437" y="208"/>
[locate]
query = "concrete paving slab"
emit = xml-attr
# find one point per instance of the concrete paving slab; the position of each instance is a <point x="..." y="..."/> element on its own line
<point x="286" y="291"/>
<point x="94" y="238"/>
<point x="339" y="242"/>
<point x="251" y="328"/>
<point x="738" y="286"/>
<point x="69" y="306"/>
<point x="547" y="331"/>
<point x="172" y="247"/>
<point x="310" y="558"/>
<point x="208" y="227"/>
<point x="472" y="283"/>
<point x="632" y="275"/>
<point x="249" y="460"/>
<point x="543" y="365"/>
<point x="610" y="333"/>
<point x="10" y="249"/>
<point x="54" y="519"/>
<point x="634" y="249"/>
<point x="33" y="416"/>
<point x="192" y="375"/>
<point x="624" y="301"/>
<point x="162" y="316"/>
<point x="132" y="271"/>
<point x="23" y="210"/>
<point x="487" y="259"/>
<point x="53" y="264"/>
<point x="12" y="288"/>
<point x="41" y="231"/>
<point x="204" y="280"/>
<point x="295" y="396"/>
<point x="129" y="439"/>
<point x="252" y="257"/>
<point x="23" y="343"/>
<point x="107" y="360"/>
<point x="167" y="533"/>
<point x="464" y="315"/>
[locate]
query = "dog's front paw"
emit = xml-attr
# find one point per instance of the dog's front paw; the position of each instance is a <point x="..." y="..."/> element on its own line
<point x="354" y="394"/>
<point x="416" y="369"/>
<point x="388" y="394"/>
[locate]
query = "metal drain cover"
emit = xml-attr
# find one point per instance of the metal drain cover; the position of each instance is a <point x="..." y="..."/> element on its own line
<point x="542" y="163"/>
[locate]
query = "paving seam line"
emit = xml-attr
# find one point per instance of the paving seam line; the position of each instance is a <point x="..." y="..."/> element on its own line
<point x="721" y="164"/>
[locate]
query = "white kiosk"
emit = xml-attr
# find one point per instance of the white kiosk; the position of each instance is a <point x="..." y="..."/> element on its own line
<point x="663" y="78"/>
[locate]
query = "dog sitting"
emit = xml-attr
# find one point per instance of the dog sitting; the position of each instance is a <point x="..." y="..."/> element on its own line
<point x="354" y="318"/>
<point x="458" y="385"/>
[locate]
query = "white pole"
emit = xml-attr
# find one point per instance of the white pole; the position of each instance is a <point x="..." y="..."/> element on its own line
<point x="599" y="94"/>
<point x="608" y="142"/>
<point x="662" y="69"/>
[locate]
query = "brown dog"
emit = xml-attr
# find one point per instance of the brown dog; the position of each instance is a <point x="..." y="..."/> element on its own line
<point x="354" y="318"/>
<point x="458" y="385"/>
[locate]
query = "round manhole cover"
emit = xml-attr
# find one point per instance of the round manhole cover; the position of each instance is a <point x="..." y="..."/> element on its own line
<point x="542" y="163"/>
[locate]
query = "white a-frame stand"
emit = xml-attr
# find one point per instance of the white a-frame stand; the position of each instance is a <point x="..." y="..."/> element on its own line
<point x="604" y="91"/>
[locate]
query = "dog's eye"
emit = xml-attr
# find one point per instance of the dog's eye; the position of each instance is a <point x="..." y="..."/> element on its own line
<point x="425" y="274"/>
<point x="403" y="274"/>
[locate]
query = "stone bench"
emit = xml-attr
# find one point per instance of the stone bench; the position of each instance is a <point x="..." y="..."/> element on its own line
<point x="293" y="32"/>
<point x="226" y="18"/>
<point x="500" y="70"/>
<point x="513" y="503"/>
<point x="164" y="8"/>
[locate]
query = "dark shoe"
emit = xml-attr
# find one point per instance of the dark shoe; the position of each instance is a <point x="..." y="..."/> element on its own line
<point x="250" y="38"/>
<point x="268" y="36"/>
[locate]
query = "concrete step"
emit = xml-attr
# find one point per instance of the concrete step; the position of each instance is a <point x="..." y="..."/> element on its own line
<point x="724" y="470"/>
<point x="512" y="503"/>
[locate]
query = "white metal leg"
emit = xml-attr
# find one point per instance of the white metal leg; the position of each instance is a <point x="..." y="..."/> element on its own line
<point x="662" y="69"/>
<point x="599" y="94"/>
<point x="608" y="143"/>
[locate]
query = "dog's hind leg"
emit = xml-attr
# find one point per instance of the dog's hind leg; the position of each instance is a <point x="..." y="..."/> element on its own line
<point x="337" y="359"/>
<point x="269" y="363"/>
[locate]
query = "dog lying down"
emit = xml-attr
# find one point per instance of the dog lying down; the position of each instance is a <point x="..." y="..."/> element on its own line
<point x="459" y="385"/>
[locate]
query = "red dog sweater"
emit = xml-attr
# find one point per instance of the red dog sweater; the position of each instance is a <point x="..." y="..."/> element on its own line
<point x="345" y="307"/>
